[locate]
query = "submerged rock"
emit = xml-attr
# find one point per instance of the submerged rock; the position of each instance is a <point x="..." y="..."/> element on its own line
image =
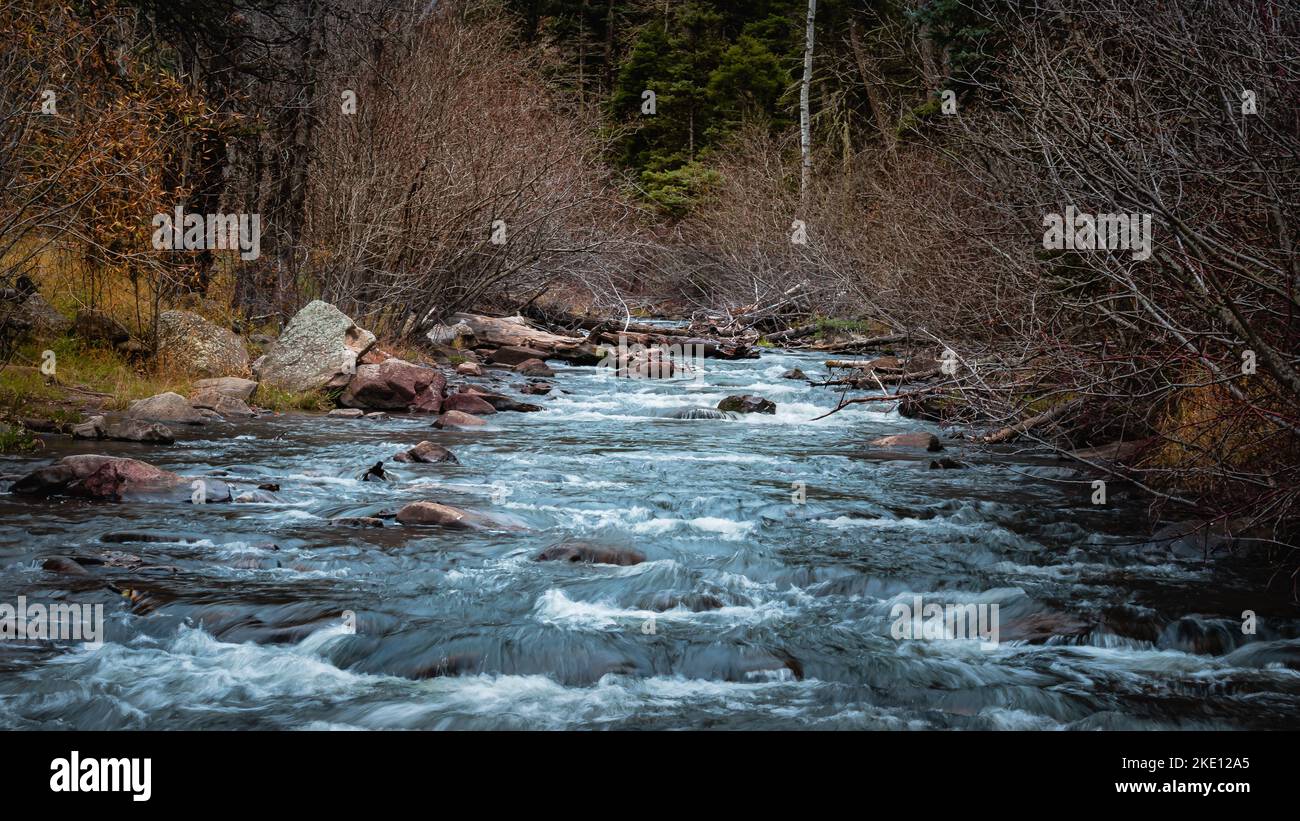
<point x="694" y="602"/>
<point x="500" y="402"/>
<point x="62" y="564"/>
<point x="457" y="419"/>
<point x="909" y="440"/>
<point x="358" y="521"/>
<point x="575" y="552"/>
<point x="947" y="463"/>
<point x="700" y="413"/>
<point x="256" y="497"/>
<point x="794" y="373"/>
<point x="347" y="413"/>
<point x="433" y="513"/>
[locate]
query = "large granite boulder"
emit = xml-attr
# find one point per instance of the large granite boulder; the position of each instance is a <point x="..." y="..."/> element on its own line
<point x="318" y="349"/>
<point x="232" y="386"/>
<point x="199" y="347"/>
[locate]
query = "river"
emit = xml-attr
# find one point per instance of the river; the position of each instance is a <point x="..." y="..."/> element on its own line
<point x="754" y="608"/>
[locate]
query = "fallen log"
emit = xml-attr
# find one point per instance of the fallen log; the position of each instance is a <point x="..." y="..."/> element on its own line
<point x="1012" y="431"/>
<point x="513" y="331"/>
<point x="866" y="364"/>
<point x="792" y="333"/>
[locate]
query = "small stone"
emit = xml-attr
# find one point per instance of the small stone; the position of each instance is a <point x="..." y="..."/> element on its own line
<point x="534" y="367"/>
<point x="909" y="440"/>
<point x="457" y="419"/>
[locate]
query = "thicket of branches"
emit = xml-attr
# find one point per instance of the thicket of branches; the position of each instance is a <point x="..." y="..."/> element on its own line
<point x="934" y="227"/>
<point x="386" y="203"/>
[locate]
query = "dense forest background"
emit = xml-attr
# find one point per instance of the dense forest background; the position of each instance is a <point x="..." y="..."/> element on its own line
<point x="383" y="142"/>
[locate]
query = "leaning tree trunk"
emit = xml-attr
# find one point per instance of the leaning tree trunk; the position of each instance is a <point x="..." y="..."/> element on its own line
<point x="805" y="124"/>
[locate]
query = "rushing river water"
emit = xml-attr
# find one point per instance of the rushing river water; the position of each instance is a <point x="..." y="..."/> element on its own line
<point x="751" y="610"/>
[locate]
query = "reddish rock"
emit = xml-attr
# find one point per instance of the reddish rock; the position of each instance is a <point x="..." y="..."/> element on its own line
<point x="432" y="513"/>
<point x="469" y="369"/>
<point x="513" y="355"/>
<point x="909" y="440"/>
<point x="467" y="403"/>
<point x="426" y="452"/>
<point x="457" y="419"/>
<point x="112" y="477"/>
<point x="534" y="367"/>
<point x="499" y="401"/>
<point x="395" y="385"/>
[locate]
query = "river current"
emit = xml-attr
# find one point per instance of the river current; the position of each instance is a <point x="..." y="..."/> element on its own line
<point x="777" y="549"/>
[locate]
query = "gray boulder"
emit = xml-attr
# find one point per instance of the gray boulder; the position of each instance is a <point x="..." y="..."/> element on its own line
<point x="197" y="346"/>
<point x="232" y="386"/>
<point x="318" y="349"/>
<point x="166" y="407"/>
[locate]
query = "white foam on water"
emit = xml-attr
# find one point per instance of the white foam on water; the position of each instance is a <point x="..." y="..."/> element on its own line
<point x="555" y="608"/>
